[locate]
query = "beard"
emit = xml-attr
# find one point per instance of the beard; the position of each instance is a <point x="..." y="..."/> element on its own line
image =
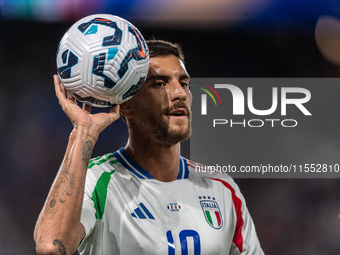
<point x="159" y="126"/>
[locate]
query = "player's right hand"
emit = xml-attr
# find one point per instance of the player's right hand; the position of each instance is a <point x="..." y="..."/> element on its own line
<point x="82" y="116"/>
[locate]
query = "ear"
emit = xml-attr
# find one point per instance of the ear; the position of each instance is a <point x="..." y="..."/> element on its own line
<point x="125" y="109"/>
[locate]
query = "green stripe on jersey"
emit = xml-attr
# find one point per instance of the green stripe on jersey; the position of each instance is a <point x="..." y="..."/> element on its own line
<point x="100" y="192"/>
<point x="207" y="213"/>
<point x="102" y="159"/>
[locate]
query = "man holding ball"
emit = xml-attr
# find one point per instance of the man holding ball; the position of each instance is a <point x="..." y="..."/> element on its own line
<point x="144" y="198"/>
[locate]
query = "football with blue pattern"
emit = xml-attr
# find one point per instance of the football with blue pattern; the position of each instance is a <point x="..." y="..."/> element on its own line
<point x="102" y="60"/>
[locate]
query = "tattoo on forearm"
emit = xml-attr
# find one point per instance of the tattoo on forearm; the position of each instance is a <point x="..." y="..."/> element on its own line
<point x="40" y="240"/>
<point x="87" y="152"/>
<point x="64" y="185"/>
<point x="60" y="246"/>
<point x="75" y="124"/>
<point x="62" y="188"/>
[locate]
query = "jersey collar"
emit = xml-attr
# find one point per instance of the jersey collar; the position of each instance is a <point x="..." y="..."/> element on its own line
<point x="140" y="172"/>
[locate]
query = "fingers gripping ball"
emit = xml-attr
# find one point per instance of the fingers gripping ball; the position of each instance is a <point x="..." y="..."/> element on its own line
<point x="102" y="60"/>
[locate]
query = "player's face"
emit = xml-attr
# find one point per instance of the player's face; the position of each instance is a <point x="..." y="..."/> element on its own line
<point x="162" y="106"/>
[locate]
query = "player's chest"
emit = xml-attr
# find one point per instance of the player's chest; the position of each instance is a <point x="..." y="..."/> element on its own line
<point x="174" y="219"/>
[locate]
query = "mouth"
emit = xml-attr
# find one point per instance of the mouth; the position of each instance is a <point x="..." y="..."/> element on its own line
<point x="179" y="112"/>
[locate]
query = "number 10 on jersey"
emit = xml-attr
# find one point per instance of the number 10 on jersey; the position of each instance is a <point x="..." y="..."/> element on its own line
<point x="183" y="241"/>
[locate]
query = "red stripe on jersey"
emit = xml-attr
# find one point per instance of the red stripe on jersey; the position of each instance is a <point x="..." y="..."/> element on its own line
<point x="193" y="164"/>
<point x="238" y="238"/>
<point x="218" y="218"/>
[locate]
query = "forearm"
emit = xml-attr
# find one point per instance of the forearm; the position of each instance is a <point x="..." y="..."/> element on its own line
<point x="58" y="227"/>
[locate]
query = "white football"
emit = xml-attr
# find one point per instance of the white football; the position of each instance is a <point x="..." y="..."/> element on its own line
<point x="102" y="60"/>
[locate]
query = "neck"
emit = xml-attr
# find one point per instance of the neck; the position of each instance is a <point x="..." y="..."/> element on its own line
<point x="161" y="160"/>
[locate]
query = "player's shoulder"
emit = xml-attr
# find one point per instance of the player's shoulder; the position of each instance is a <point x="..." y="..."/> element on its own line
<point x="102" y="164"/>
<point x="215" y="177"/>
<point x="104" y="161"/>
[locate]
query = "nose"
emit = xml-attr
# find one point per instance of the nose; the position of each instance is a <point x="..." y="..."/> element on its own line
<point x="177" y="92"/>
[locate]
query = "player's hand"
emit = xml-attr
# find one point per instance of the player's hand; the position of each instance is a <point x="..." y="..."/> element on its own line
<point x="82" y="116"/>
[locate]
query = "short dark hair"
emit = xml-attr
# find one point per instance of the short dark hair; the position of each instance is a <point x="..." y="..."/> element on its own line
<point x="164" y="48"/>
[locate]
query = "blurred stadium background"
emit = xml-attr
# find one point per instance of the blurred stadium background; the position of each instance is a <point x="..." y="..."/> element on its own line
<point x="221" y="38"/>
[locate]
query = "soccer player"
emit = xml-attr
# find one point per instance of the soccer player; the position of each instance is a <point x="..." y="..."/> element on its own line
<point x="144" y="198"/>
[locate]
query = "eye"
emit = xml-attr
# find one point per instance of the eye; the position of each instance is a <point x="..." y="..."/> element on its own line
<point x="159" y="84"/>
<point x="185" y="84"/>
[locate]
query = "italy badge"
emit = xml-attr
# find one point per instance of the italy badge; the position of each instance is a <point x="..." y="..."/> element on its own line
<point x="212" y="213"/>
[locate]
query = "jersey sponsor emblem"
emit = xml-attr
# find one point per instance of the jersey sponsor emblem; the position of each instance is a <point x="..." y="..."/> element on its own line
<point x="141" y="212"/>
<point x="211" y="212"/>
<point x="174" y="207"/>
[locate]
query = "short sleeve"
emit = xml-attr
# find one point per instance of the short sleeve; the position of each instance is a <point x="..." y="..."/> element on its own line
<point x="88" y="218"/>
